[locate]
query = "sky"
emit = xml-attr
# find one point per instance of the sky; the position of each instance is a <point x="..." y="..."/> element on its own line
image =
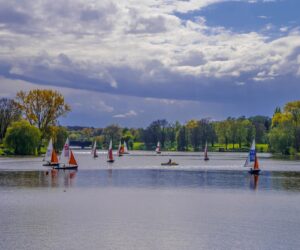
<point x="131" y="62"/>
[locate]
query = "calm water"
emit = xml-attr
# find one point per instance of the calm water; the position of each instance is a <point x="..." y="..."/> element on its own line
<point x="135" y="203"/>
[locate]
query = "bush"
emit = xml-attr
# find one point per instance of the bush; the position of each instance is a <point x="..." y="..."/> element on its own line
<point x="22" y="138"/>
<point x="138" y="146"/>
<point x="280" y="140"/>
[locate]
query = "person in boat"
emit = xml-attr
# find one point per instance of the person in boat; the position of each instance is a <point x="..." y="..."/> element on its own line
<point x="170" y="163"/>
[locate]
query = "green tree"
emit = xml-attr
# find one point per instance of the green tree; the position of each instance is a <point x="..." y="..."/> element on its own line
<point x="42" y="108"/>
<point x="112" y="132"/>
<point x="127" y="137"/>
<point x="280" y="140"/>
<point x="22" y="138"/>
<point x="245" y="129"/>
<point x="181" y="138"/>
<point x="206" y="132"/>
<point x="262" y="126"/>
<point x="60" y="135"/>
<point x="155" y="132"/>
<point x="9" y="113"/>
<point x="222" y="129"/>
<point x="286" y="124"/>
<point x="192" y="127"/>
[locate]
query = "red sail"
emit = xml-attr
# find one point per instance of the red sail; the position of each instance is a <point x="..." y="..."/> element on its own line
<point x="110" y="154"/>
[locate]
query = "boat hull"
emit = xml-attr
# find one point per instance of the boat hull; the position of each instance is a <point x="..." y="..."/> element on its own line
<point x="254" y="171"/>
<point x="51" y="164"/>
<point x="170" y="164"/>
<point x="65" y="167"/>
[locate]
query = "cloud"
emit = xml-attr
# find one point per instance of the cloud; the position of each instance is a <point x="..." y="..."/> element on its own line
<point x="130" y="113"/>
<point x="139" y="48"/>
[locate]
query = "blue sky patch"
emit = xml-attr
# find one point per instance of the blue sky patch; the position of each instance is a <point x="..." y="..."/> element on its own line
<point x="250" y="16"/>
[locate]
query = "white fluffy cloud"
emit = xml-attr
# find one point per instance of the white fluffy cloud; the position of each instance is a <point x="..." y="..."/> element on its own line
<point x="47" y="39"/>
<point x="130" y="113"/>
<point x="139" y="48"/>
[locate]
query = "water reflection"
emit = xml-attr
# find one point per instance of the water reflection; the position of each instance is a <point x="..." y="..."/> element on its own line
<point x="254" y="181"/>
<point x="59" y="178"/>
<point x="287" y="181"/>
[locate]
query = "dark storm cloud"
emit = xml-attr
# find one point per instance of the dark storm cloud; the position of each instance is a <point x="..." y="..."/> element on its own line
<point x="8" y="16"/>
<point x="164" y="84"/>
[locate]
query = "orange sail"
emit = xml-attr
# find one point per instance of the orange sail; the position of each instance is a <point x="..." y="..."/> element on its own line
<point x="256" y="165"/>
<point x="72" y="160"/>
<point x="121" y="151"/>
<point x="54" y="159"/>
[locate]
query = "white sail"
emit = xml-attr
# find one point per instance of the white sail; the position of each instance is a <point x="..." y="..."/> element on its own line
<point x="206" y="152"/>
<point x="125" y="148"/>
<point x="110" y="153"/>
<point x="65" y="154"/>
<point x="119" y="147"/>
<point x="94" y="149"/>
<point x="49" y="151"/>
<point x="157" y="150"/>
<point x="251" y="156"/>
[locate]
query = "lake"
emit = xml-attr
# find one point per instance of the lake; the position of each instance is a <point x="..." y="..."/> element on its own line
<point x="135" y="203"/>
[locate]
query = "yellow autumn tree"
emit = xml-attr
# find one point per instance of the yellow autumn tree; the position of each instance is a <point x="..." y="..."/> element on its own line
<point x="42" y="108"/>
<point x="285" y="133"/>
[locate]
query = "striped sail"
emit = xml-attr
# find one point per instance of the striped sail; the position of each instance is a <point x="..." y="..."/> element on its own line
<point x="251" y="156"/>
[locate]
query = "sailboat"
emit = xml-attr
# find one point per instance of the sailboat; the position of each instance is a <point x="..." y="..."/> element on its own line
<point x="94" y="150"/>
<point x="125" y="148"/>
<point x="120" y="149"/>
<point x="157" y="150"/>
<point x="252" y="160"/>
<point x="67" y="159"/>
<point x="110" y="157"/>
<point x="51" y="156"/>
<point x="205" y="153"/>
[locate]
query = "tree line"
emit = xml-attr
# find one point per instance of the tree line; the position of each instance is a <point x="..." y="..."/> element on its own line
<point x="191" y="136"/>
<point x="31" y="119"/>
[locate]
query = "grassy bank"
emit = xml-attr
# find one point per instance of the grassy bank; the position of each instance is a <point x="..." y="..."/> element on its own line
<point x="218" y="147"/>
